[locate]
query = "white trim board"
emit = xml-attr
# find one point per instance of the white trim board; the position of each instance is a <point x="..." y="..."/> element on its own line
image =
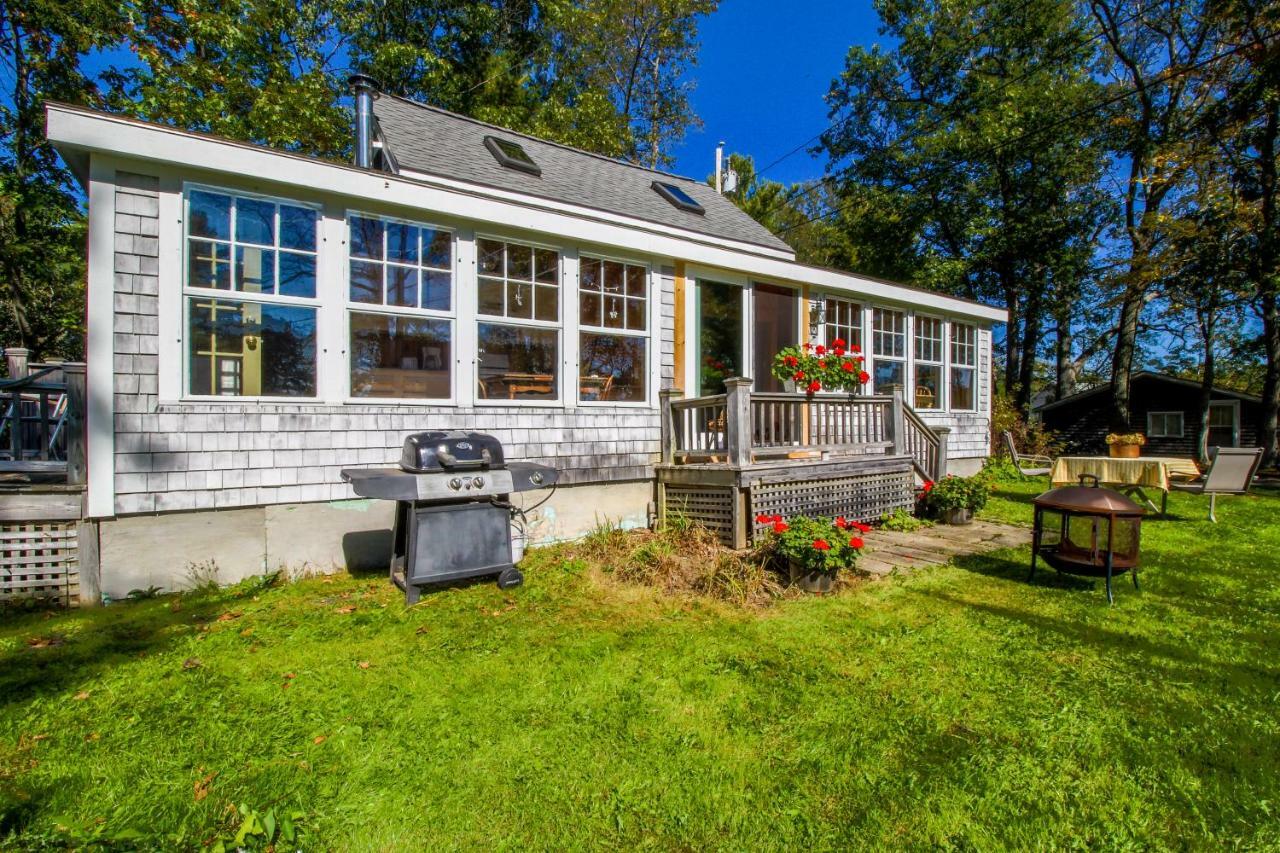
<point x="77" y="129"/>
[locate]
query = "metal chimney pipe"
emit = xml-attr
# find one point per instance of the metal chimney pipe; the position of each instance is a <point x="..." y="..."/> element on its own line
<point x="719" y="167"/>
<point x="365" y="89"/>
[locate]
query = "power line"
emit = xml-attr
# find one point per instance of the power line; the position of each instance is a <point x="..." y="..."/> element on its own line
<point x="1106" y="102"/>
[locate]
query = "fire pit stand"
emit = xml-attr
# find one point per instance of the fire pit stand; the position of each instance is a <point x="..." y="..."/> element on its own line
<point x="1087" y="530"/>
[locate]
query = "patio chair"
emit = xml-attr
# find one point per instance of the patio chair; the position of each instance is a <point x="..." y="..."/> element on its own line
<point x="1028" y="465"/>
<point x="1230" y="473"/>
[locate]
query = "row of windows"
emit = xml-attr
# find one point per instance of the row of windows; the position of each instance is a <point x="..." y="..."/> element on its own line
<point x="844" y="321"/>
<point x="401" y="310"/>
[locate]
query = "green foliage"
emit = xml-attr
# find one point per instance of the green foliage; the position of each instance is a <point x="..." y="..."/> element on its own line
<point x="815" y="369"/>
<point x="1029" y="437"/>
<point x="262" y="831"/>
<point x="1000" y="469"/>
<point x="902" y="521"/>
<point x="816" y="544"/>
<point x="954" y="492"/>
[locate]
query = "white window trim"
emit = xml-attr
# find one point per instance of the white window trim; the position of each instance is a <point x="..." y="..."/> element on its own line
<point x="1234" y="406"/>
<point x="874" y="359"/>
<point x="653" y="342"/>
<point x="185" y="293"/>
<point x="1182" y="424"/>
<point x="562" y="398"/>
<point x="348" y="307"/>
<point x="941" y="363"/>
<point x="953" y="365"/>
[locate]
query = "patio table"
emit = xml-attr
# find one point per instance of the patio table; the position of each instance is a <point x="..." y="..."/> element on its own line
<point x="1129" y="476"/>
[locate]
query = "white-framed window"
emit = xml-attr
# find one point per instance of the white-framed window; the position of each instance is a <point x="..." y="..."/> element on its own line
<point x="613" y="331"/>
<point x="518" y="323"/>
<point x="964" y="367"/>
<point x="400" y="304"/>
<point x="928" y="355"/>
<point x="889" y="349"/>
<point x="1164" y="424"/>
<point x="249" y="294"/>
<point x="843" y="322"/>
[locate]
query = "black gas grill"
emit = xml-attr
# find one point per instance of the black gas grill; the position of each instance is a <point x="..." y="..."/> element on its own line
<point x="453" y="516"/>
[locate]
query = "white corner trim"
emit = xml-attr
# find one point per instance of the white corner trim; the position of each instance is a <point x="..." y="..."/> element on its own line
<point x="100" y="337"/>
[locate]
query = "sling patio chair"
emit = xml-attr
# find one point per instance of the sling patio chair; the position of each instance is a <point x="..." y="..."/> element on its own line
<point x="1028" y="465"/>
<point x="1230" y="473"/>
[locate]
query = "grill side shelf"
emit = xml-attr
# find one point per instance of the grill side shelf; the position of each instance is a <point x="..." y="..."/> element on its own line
<point x="389" y="484"/>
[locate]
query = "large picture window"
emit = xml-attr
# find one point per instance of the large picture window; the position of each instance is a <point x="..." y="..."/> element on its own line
<point x="519" y="329"/>
<point x="259" y="339"/>
<point x="613" y="316"/>
<point x="928" y="363"/>
<point x="964" y="367"/>
<point x="889" y="344"/>
<point x="844" y="322"/>
<point x="400" y="312"/>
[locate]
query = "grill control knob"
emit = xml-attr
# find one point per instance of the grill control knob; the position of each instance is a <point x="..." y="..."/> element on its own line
<point x="479" y="482"/>
<point x="536" y="478"/>
<point x="455" y="484"/>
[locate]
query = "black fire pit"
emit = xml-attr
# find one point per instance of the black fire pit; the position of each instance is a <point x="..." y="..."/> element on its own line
<point x="454" y="519"/>
<point x="1087" y="530"/>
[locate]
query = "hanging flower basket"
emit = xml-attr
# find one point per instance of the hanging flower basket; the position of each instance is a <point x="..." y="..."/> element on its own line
<point x="810" y="369"/>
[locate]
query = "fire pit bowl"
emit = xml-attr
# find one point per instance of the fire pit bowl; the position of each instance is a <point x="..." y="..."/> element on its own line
<point x="1087" y="530"/>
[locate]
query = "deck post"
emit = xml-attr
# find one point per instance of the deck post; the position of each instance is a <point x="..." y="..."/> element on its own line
<point x="74" y="426"/>
<point x="17" y="359"/>
<point x="738" y="420"/>
<point x="941" y="467"/>
<point x="897" y="423"/>
<point x="665" y="397"/>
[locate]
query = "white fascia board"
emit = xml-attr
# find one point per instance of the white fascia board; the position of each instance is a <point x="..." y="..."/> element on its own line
<point x="77" y="129"/>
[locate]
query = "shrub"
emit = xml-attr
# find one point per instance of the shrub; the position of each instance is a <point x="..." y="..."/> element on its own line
<point x="959" y="493"/>
<point x="901" y="521"/>
<point x="816" y="544"/>
<point x="1030" y="438"/>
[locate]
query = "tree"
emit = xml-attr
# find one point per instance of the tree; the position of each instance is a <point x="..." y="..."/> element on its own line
<point x="977" y="124"/>
<point x="41" y="225"/>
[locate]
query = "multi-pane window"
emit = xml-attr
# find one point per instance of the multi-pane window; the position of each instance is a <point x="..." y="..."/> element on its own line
<point x="400" y="315"/>
<point x="844" y="322"/>
<point x="613" y="317"/>
<point x="964" y="367"/>
<point x="1164" y="424"/>
<point x="261" y="341"/>
<point x="519" y="328"/>
<point x="889" y="345"/>
<point x="928" y="362"/>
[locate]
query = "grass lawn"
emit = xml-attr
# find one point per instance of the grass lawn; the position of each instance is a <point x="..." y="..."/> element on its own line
<point x="960" y="707"/>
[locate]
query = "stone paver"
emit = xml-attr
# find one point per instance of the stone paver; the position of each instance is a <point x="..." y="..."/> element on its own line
<point x="890" y="552"/>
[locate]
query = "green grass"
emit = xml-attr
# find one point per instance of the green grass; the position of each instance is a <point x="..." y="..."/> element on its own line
<point x="958" y="708"/>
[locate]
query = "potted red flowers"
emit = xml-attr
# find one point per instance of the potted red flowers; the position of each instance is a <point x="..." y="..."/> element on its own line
<point x="811" y="369"/>
<point x="815" y="548"/>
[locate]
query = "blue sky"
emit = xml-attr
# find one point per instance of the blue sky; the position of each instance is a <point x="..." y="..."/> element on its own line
<point x="761" y="77"/>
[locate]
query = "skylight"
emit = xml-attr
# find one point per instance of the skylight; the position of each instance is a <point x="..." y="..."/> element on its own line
<point x="678" y="197"/>
<point x="511" y="155"/>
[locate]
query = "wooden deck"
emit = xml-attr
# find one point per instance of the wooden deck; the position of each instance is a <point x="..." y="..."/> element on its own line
<point x="888" y="552"/>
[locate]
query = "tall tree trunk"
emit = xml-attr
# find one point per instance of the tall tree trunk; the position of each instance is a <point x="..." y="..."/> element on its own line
<point x="1122" y="362"/>
<point x="1030" y="344"/>
<point x="1208" y="321"/>
<point x="1065" y="372"/>
<point x="1270" y="416"/>
<point x="1013" y="341"/>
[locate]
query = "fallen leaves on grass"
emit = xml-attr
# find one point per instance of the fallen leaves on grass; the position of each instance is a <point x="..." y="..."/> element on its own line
<point x="201" y="787"/>
<point x="319" y="739"/>
<point x="229" y="615"/>
<point x="192" y="663"/>
<point x="92" y="736"/>
<point x="345" y="610"/>
<point x="246" y="632"/>
<point x="364" y="664"/>
<point x="44" y="642"/>
<point x="81" y="696"/>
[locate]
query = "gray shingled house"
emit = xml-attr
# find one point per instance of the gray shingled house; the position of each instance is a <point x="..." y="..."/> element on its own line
<point x="258" y="320"/>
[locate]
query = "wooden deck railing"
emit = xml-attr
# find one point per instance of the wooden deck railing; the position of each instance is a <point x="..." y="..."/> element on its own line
<point x="42" y="419"/>
<point x="739" y="427"/>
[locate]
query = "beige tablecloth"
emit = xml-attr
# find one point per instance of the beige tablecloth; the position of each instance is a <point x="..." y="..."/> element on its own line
<point x="1152" y="471"/>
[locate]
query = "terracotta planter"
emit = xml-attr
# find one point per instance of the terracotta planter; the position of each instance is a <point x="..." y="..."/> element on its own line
<point x="1125" y="451"/>
<point x="812" y="582"/>
<point x="960" y="515"/>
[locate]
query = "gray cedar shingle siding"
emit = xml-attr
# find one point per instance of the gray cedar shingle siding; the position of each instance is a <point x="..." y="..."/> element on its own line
<point x="437" y="142"/>
<point x="219" y="455"/>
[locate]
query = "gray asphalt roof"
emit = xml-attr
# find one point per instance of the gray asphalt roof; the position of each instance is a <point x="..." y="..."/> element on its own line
<point x="437" y="142"/>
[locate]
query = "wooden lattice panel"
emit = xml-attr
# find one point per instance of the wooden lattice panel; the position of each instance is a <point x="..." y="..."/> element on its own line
<point x="39" y="560"/>
<point x="709" y="506"/>
<point x="862" y="497"/>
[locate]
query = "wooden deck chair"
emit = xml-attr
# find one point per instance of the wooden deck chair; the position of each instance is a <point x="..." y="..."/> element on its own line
<point x="1230" y="473"/>
<point x="1028" y="465"/>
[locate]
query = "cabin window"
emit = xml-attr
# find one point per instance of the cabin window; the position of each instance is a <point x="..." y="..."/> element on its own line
<point x="844" y="322"/>
<point x="400" y="304"/>
<point x="889" y="342"/>
<point x="1164" y="424"/>
<point x="613" y="319"/>
<point x="519" y="328"/>
<point x="259" y="340"/>
<point x="928" y="361"/>
<point x="964" y="367"/>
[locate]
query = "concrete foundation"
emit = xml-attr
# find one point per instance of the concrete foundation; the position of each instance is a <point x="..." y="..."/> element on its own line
<point x="179" y="550"/>
<point x="965" y="467"/>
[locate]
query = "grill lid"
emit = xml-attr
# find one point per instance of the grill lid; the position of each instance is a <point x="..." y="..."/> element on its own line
<point x="450" y="450"/>
<point x="1089" y="498"/>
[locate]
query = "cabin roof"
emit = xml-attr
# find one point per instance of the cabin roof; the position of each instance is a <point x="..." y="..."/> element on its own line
<point x="1148" y="376"/>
